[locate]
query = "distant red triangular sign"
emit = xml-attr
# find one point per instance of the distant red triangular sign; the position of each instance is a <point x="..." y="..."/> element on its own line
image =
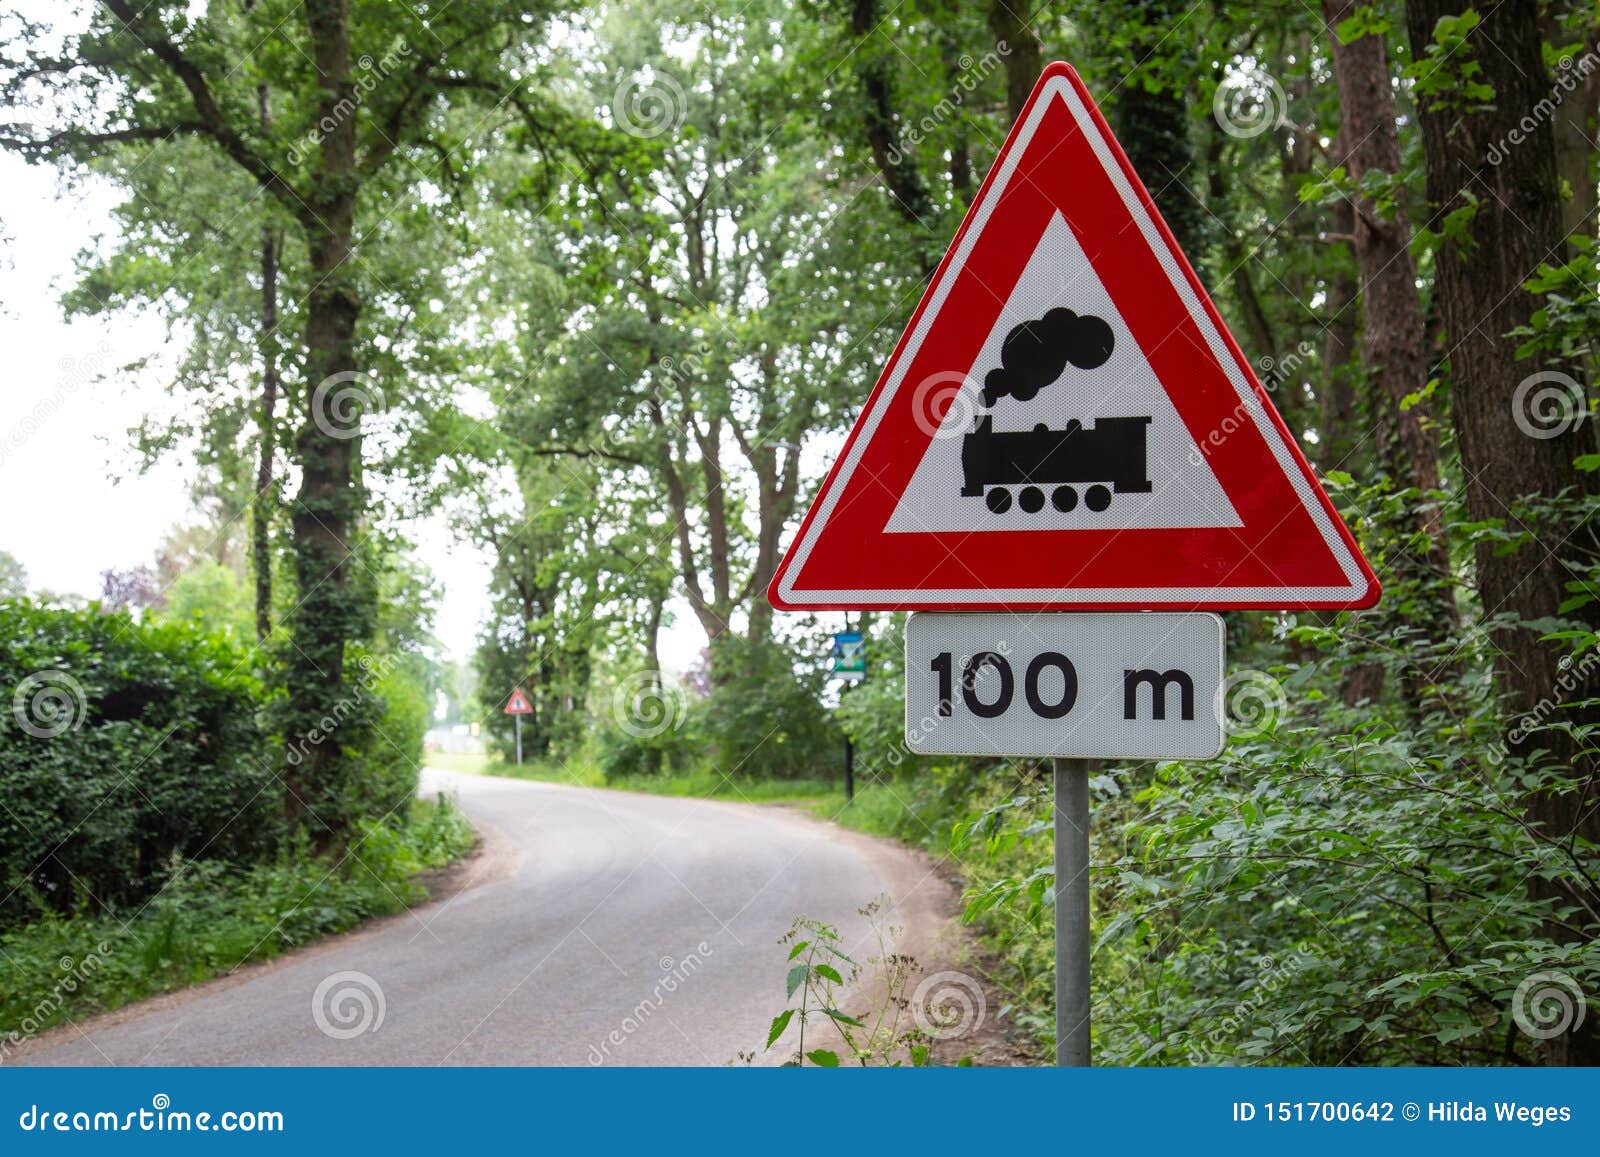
<point x="1067" y="424"/>
<point x="519" y="705"/>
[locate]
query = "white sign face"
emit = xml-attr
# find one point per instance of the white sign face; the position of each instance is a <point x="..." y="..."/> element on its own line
<point x="1114" y="686"/>
<point x="1176" y="487"/>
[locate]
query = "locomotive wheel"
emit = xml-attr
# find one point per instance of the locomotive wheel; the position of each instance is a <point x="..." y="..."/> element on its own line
<point x="1097" y="498"/>
<point x="1031" y="499"/>
<point x="999" y="500"/>
<point x="1064" y="498"/>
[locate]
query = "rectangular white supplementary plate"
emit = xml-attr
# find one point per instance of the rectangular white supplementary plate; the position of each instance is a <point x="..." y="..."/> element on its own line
<point x="1110" y="686"/>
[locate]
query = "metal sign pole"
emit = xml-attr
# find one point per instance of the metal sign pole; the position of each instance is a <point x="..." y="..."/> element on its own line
<point x="518" y="718"/>
<point x="1072" y="911"/>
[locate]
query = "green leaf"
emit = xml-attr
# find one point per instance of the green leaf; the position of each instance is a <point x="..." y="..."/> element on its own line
<point x="824" y="1058"/>
<point x="799" y="948"/>
<point x="779" y="1023"/>
<point x="1367" y="21"/>
<point x="843" y="1018"/>
<point x="797" y="976"/>
<point x="829" y="972"/>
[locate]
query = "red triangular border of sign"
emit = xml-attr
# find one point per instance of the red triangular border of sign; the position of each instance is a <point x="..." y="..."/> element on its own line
<point x="518" y="703"/>
<point x="1292" y="552"/>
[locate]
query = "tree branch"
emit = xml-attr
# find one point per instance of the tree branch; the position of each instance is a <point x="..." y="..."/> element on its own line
<point x="211" y="122"/>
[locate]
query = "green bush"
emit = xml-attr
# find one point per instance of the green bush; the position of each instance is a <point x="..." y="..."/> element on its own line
<point x="123" y="745"/>
<point x="211" y="917"/>
<point x="622" y="756"/>
<point x="763" y="720"/>
<point x="214" y="598"/>
<point x="396" y="689"/>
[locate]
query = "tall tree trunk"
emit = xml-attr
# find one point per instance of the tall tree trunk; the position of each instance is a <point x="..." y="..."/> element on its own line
<point x="1338" y="447"/>
<point x="652" y="661"/>
<point x="1392" y="342"/>
<point x="1336" y="427"/>
<point x="263" y="503"/>
<point x="1515" y="224"/>
<point x="898" y="170"/>
<point x="1150" y="115"/>
<point x="1575" y="121"/>
<point x="950" y="56"/>
<point x="1018" y="46"/>
<point x="331" y="612"/>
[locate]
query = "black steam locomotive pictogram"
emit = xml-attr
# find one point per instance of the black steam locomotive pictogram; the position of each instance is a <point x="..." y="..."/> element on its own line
<point x="1112" y="455"/>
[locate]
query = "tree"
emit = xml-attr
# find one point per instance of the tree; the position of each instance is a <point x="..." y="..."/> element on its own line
<point x="1393" y="348"/>
<point x="13" y="577"/>
<point x="153" y="72"/>
<point x="706" y="329"/>
<point x="1017" y="41"/>
<point x="1150" y="112"/>
<point x="1477" y="77"/>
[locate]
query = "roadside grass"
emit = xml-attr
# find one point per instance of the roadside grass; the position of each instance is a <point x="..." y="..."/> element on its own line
<point x="465" y="762"/>
<point x="582" y="772"/>
<point x="895" y="810"/>
<point x="211" y="918"/>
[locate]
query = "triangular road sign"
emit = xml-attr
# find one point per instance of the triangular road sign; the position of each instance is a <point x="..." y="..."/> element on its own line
<point x="1067" y="424"/>
<point x="518" y="704"/>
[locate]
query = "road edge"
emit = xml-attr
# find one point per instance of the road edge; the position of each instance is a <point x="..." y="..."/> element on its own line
<point x="490" y="858"/>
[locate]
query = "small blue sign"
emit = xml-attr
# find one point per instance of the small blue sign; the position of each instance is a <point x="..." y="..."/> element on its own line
<point x="850" y="655"/>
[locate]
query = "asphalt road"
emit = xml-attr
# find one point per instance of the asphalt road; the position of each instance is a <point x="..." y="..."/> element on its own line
<point x="611" y="928"/>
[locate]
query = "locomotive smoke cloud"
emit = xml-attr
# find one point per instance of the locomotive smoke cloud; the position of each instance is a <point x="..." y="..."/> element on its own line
<point x="1035" y="352"/>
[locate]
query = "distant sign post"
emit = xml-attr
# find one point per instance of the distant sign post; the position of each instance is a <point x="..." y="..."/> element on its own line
<point x="1067" y="426"/>
<point x="850" y="664"/>
<point x="516" y="707"/>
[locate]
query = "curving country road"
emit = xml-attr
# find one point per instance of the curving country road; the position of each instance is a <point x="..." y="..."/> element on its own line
<point x="612" y="928"/>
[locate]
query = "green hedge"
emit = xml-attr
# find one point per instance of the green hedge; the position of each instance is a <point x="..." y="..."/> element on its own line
<point x="123" y="747"/>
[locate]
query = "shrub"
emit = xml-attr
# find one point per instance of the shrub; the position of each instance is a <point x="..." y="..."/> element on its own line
<point x="211" y="918"/>
<point x="123" y="745"/>
<point x="763" y="720"/>
<point x="396" y="690"/>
